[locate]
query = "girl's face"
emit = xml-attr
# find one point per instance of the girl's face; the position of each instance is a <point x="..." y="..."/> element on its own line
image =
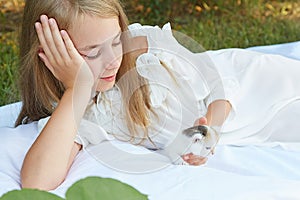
<point x="98" y="40"/>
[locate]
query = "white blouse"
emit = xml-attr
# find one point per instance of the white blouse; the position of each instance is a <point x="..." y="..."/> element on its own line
<point x="257" y="86"/>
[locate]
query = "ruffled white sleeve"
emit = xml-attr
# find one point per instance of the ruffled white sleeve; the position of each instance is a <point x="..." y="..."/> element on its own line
<point x="204" y="79"/>
<point x="88" y="132"/>
<point x="159" y="39"/>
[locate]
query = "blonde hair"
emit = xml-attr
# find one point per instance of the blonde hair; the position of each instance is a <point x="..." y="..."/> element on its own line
<point x="40" y="90"/>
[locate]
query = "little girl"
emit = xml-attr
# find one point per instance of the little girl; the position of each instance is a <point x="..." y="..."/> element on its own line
<point x="83" y="66"/>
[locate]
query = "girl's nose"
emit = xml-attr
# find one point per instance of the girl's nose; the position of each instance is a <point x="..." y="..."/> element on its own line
<point x="112" y="64"/>
<point x="112" y="60"/>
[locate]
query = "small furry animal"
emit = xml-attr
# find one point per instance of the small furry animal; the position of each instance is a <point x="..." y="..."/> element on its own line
<point x="199" y="140"/>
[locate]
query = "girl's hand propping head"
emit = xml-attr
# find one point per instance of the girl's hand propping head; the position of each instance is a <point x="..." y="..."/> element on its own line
<point x="60" y="56"/>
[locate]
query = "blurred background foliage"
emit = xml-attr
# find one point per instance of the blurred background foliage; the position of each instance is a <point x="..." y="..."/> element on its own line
<point x="219" y="24"/>
<point x="214" y="24"/>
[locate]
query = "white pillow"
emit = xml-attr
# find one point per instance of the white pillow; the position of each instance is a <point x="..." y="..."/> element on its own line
<point x="9" y="114"/>
<point x="15" y="142"/>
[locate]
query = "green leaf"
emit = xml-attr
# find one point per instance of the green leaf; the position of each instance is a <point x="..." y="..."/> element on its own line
<point x="29" y="194"/>
<point x="96" y="188"/>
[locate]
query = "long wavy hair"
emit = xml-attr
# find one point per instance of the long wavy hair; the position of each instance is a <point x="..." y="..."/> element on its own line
<point x="40" y="90"/>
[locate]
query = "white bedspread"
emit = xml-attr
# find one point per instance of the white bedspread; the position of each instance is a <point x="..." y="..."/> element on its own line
<point x="234" y="172"/>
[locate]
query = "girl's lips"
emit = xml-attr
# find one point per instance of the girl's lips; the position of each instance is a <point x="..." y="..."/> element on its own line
<point x="109" y="78"/>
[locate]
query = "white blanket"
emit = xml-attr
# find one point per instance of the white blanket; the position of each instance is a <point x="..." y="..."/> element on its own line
<point x="234" y="172"/>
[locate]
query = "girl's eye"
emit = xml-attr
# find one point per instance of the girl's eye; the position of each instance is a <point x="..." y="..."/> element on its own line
<point x="96" y="53"/>
<point x="93" y="54"/>
<point x="117" y="43"/>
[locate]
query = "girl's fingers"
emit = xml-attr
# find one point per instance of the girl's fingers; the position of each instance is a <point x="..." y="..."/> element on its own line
<point x="49" y="40"/>
<point x="47" y="63"/>
<point x="194" y="159"/>
<point x="69" y="44"/>
<point x="58" y="41"/>
<point x="197" y="160"/>
<point x="85" y="74"/>
<point x="201" y="121"/>
<point x="40" y="33"/>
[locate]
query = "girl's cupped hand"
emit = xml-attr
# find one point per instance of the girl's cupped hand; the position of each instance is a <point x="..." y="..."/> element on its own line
<point x="195" y="159"/>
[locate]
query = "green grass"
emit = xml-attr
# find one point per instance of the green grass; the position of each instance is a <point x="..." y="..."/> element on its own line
<point x="8" y="69"/>
<point x="219" y="24"/>
<point x="10" y="13"/>
<point x="214" y="24"/>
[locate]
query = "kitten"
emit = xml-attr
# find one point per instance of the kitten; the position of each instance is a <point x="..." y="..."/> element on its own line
<point x="199" y="140"/>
